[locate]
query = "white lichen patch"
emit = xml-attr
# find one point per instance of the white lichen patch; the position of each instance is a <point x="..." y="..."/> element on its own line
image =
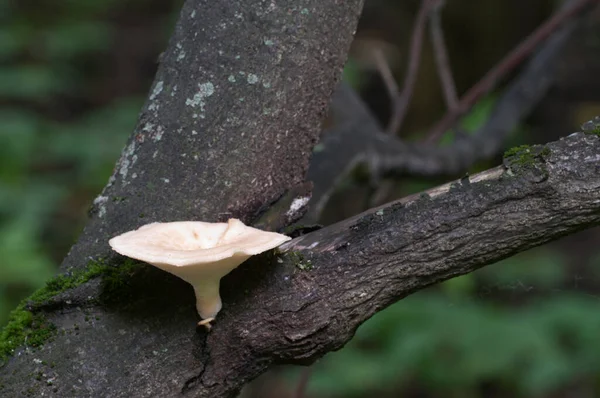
<point x="593" y="159"/>
<point x="297" y="204"/>
<point x="158" y="134"/>
<point x="231" y="78"/>
<point x="266" y="85"/>
<point x="205" y="90"/>
<point x="252" y="78"/>
<point x="125" y="163"/>
<point x="180" y="52"/>
<point x="157" y="90"/>
<point x="99" y="202"/>
<point x="268" y="42"/>
<point x="193" y="14"/>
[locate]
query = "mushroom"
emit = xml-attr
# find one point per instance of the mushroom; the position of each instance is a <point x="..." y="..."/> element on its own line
<point x="200" y="253"/>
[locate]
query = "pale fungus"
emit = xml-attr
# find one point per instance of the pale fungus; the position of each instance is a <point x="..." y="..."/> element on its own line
<point x="200" y="253"/>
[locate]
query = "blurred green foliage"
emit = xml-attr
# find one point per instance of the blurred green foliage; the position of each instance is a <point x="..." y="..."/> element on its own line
<point x="55" y="153"/>
<point x="456" y="341"/>
<point x="516" y="328"/>
<point x="520" y="328"/>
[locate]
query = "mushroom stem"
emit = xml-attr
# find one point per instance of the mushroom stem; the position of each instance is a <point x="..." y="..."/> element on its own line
<point x="200" y="253"/>
<point x="206" y="323"/>
<point x="208" y="300"/>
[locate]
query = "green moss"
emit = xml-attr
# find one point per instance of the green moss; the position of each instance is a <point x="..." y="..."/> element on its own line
<point x="527" y="158"/>
<point x="545" y="152"/>
<point x="24" y="327"/>
<point x="520" y="155"/>
<point x="115" y="279"/>
<point x="28" y="328"/>
<point x="592" y="126"/>
<point x="595" y="131"/>
<point x="300" y="261"/>
<point x="305" y="266"/>
<point x="64" y="282"/>
<point x="526" y="155"/>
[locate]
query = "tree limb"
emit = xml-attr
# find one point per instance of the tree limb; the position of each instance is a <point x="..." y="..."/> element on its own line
<point x="227" y="130"/>
<point x="364" y="141"/>
<point x="516" y="102"/>
<point x="342" y="147"/>
<point x="131" y="332"/>
<point x="323" y="285"/>
<point x="508" y="63"/>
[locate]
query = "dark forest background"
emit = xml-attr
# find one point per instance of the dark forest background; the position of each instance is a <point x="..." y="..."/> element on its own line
<point x="74" y="75"/>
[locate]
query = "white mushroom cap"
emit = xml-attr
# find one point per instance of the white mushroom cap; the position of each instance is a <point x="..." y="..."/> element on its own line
<point x="200" y="253"/>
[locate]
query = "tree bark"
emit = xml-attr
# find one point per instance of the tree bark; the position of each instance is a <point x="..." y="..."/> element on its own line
<point x="200" y="152"/>
<point x="227" y="130"/>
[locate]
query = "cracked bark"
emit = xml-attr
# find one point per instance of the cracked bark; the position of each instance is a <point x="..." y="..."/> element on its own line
<point x="144" y="343"/>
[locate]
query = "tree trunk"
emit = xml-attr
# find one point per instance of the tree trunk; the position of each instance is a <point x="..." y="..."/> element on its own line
<point x="227" y="131"/>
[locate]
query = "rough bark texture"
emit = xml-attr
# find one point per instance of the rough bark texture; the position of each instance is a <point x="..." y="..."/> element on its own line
<point x="357" y="137"/>
<point x="231" y="118"/>
<point x="314" y="293"/>
<point x="136" y="336"/>
<point x="228" y="128"/>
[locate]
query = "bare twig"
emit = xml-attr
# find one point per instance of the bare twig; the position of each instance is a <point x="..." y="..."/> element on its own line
<point x="441" y="57"/>
<point x="363" y="138"/>
<point x="303" y="382"/>
<point x="513" y="59"/>
<point x="515" y="103"/>
<point x="390" y="83"/>
<point x="400" y="102"/>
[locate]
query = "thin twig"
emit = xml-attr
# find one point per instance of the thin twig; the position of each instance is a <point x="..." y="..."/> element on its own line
<point x="390" y="83"/>
<point x="441" y="57"/>
<point x="303" y="383"/>
<point x="416" y="44"/>
<point x="513" y="59"/>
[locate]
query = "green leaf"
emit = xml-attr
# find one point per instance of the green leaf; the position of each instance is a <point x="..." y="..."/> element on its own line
<point x="29" y="82"/>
